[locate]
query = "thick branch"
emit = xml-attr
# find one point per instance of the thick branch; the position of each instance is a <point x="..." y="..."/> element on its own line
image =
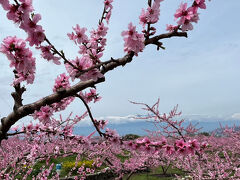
<point x="17" y="96"/>
<point x="28" y="109"/>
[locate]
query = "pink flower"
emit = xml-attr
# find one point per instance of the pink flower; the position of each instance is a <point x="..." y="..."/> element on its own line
<point x="94" y="74"/>
<point x="95" y="56"/>
<point x="133" y="40"/>
<point x="143" y="17"/>
<point x="48" y="55"/>
<point x="146" y="140"/>
<point x="20" y="58"/>
<point x="60" y="106"/>
<point x="164" y="141"/>
<point x="198" y="4"/>
<point x="151" y="15"/>
<point x="26" y="6"/>
<point x="81" y="63"/>
<point x="182" y="151"/>
<point x="62" y="81"/>
<point x="43" y="114"/>
<point x="100" y="32"/>
<point x="204" y="145"/>
<point x="171" y="28"/>
<point x="5" y="4"/>
<point x="108" y="4"/>
<point x="183" y="13"/>
<point x="20" y="77"/>
<point x="71" y="36"/>
<point x="193" y="145"/>
<point x="183" y="148"/>
<point x="187" y="26"/>
<point x="92" y="95"/>
<point x="14" y="14"/>
<point x="148" y="148"/>
<point x="80" y="36"/>
<point x="36" y="37"/>
<point x="180" y="143"/>
<point x="169" y="149"/>
<point x="36" y="127"/>
<point x="31" y="25"/>
<point x="15" y="128"/>
<point x="108" y="16"/>
<point x="112" y="135"/>
<point x="29" y="127"/>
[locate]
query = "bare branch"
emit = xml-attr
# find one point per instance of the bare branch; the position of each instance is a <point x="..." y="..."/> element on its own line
<point x="155" y="39"/>
<point x="90" y="115"/>
<point x="61" y="55"/>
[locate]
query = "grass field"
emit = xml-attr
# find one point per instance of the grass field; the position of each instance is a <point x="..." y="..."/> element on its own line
<point x="69" y="162"/>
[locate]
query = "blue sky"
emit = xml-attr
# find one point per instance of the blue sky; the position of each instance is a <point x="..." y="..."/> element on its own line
<point x="200" y="73"/>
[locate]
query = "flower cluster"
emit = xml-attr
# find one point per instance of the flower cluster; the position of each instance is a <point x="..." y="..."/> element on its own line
<point x="79" y="36"/>
<point x="133" y="41"/>
<point x="91" y="51"/>
<point x="91" y="48"/>
<point x="187" y="15"/>
<point x="81" y="64"/>
<point x="62" y="81"/>
<point x="48" y="55"/>
<point x="5" y="4"/>
<point x="44" y="114"/>
<point x="180" y="147"/>
<point x="61" y="105"/>
<point x="108" y="9"/>
<point x="151" y="15"/>
<point x="20" y="13"/>
<point x="112" y="135"/>
<point x="187" y="147"/>
<point x="20" y="58"/>
<point x="91" y="96"/>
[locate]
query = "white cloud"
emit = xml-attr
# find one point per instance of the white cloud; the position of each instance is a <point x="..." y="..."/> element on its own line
<point x="236" y="116"/>
<point x="112" y="120"/>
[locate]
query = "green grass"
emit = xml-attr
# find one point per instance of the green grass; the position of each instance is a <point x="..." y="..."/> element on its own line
<point x="59" y="160"/>
<point x="67" y="164"/>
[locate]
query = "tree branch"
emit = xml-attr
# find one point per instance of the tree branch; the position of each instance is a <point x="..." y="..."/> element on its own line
<point x="155" y="40"/>
<point x="17" y="96"/>
<point x="28" y="109"/>
<point x="164" y="36"/>
<point x="61" y="55"/>
<point x="90" y="115"/>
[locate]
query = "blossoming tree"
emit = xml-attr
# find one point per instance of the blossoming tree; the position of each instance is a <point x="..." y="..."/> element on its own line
<point x="50" y="137"/>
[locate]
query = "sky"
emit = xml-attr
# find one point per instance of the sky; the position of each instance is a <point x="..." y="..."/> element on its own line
<point x="199" y="73"/>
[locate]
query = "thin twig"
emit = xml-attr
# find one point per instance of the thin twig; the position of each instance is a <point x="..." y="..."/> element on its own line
<point x="61" y="55"/>
<point x="90" y="115"/>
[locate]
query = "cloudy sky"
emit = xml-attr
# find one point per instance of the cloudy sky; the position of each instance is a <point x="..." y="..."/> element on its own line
<point x="200" y="73"/>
